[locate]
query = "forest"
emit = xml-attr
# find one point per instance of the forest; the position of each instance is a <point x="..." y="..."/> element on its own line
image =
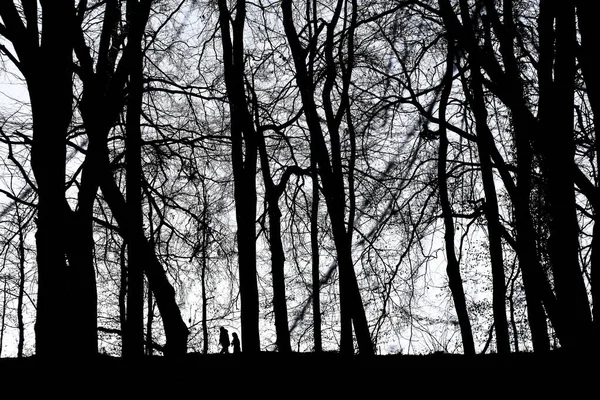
<point x="358" y="177"/>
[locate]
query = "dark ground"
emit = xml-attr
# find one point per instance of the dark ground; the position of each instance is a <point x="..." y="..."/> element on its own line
<point x="298" y="375"/>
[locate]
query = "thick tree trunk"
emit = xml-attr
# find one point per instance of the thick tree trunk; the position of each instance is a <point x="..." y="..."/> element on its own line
<point x="556" y="76"/>
<point x="526" y="243"/>
<point x="590" y="36"/>
<point x="51" y="119"/>
<point x="133" y="336"/>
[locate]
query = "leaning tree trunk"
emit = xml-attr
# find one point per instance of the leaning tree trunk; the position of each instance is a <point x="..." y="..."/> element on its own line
<point x="485" y="143"/>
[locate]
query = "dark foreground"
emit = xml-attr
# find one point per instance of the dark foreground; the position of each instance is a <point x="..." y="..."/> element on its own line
<point x="307" y="375"/>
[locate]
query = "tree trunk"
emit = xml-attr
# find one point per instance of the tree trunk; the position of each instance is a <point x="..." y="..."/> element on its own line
<point x="51" y="119"/>
<point x="314" y="246"/>
<point x="133" y="336"/>
<point x="453" y="267"/>
<point x="556" y="76"/>
<point x="3" y="320"/>
<point x="204" y="255"/>
<point x="20" y="324"/>
<point x="590" y="35"/>
<point x="273" y="193"/>
<point x="176" y="331"/>
<point x="149" y="322"/>
<point x="475" y="96"/>
<point x="244" y="159"/>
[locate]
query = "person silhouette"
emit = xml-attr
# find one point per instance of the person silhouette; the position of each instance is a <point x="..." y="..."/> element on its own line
<point x="236" y="343"/>
<point x="224" y="340"/>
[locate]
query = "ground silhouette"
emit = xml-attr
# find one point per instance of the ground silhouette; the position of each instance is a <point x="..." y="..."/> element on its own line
<point x="311" y="375"/>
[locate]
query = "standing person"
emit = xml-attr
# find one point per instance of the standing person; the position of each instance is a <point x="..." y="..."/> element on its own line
<point x="236" y="343"/>
<point x="224" y="340"/>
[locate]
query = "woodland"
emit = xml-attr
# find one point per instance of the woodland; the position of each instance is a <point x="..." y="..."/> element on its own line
<point x="390" y="178"/>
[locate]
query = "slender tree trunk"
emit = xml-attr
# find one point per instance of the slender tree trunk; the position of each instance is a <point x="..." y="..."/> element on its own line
<point x="204" y="267"/>
<point x="312" y="15"/>
<point x="3" y="321"/>
<point x="511" y="304"/>
<point x="20" y="324"/>
<point x="314" y="245"/>
<point x="494" y="231"/>
<point x="123" y="291"/>
<point x="453" y="267"/>
<point x="149" y="322"/>
<point x="273" y="193"/>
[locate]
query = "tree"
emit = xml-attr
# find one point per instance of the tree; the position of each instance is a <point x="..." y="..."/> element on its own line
<point x="244" y="159"/>
<point x="453" y="266"/>
<point x="50" y="46"/>
<point x="330" y="169"/>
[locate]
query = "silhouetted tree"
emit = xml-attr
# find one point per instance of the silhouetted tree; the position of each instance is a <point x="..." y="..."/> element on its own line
<point x="244" y="159"/>
<point x="330" y="169"/>
<point x="52" y="47"/>
<point x="453" y="266"/>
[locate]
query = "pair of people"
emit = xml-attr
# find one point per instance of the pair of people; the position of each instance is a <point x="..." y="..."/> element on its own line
<point x="225" y="344"/>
